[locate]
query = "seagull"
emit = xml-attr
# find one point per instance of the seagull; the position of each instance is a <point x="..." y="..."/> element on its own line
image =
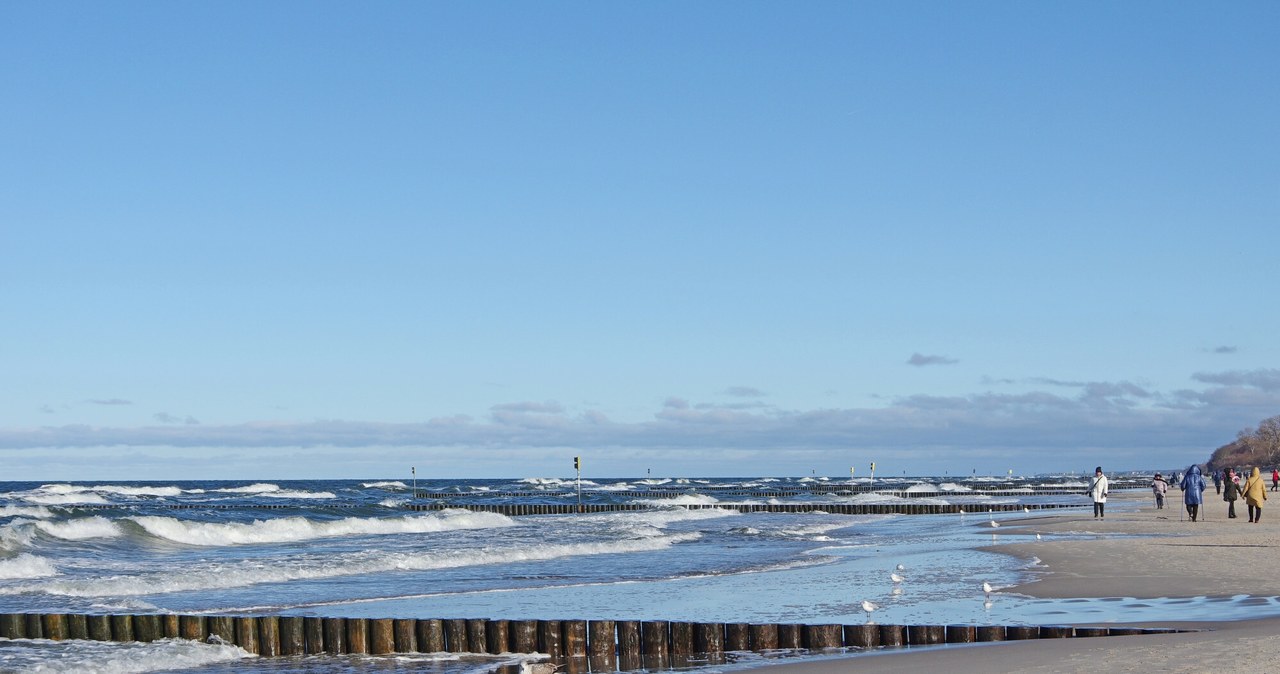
<point x="1026" y="509"/>
<point x="902" y="568"/>
<point x="994" y="524"/>
<point x="1037" y="537"/>
<point x="986" y="587"/>
<point x="869" y="607"/>
<point x="895" y="578"/>
<point x="527" y="667"/>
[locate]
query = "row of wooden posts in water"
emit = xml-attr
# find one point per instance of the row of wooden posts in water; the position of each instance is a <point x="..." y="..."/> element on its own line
<point x="603" y="644"/>
<point x="831" y="508"/>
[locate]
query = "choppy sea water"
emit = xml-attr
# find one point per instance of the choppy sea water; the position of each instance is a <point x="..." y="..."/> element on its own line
<point x="352" y="549"/>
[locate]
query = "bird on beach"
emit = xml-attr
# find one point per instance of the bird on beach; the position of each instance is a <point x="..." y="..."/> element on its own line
<point x="986" y="587"/>
<point x="1037" y="537"/>
<point x="869" y="607"/>
<point x="902" y="568"/>
<point x="895" y="578"/>
<point x="527" y="667"/>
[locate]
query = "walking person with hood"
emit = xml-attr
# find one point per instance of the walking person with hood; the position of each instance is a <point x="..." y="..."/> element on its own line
<point x="1098" y="491"/>
<point x="1193" y="491"/>
<point x="1159" y="487"/>
<point x="1255" y="492"/>
<point x="1231" y="493"/>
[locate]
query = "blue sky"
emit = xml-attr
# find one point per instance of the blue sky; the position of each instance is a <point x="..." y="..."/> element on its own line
<point x="312" y="239"/>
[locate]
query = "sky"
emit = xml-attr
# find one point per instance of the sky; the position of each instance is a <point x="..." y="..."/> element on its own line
<point x="247" y="240"/>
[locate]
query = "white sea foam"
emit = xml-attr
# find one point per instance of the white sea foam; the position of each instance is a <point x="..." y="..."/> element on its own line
<point x="951" y="486"/>
<point x="80" y="529"/>
<point x="98" y="657"/>
<point x="26" y="565"/>
<point x="37" y="512"/>
<point x="921" y="487"/>
<point x="211" y="576"/>
<point x="683" y="499"/>
<point x="385" y="485"/>
<point x="293" y="529"/>
<point x="256" y="488"/>
<point x="65" y="498"/>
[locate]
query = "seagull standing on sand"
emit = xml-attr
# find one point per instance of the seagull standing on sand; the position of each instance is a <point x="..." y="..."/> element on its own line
<point x="527" y="667"/>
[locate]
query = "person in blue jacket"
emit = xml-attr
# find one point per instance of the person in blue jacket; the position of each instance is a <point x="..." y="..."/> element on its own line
<point x="1193" y="491"/>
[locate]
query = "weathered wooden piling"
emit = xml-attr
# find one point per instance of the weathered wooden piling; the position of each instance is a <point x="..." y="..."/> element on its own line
<point x="865" y="635"/>
<point x="708" y="638"/>
<point x="55" y="626"/>
<point x="121" y="627"/>
<point x="269" y="636"/>
<point x="654" y="642"/>
<point x="893" y="635"/>
<point x="455" y="635"/>
<point x="192" y="627"/>
<point x="926" y="635"/>
<point x="764" y="637"/>
<point x="247" y="633"/>
<point x="574" y="633"/>
<point x="1119" y="631"/>
<point x="77" y="626"/>
<point x="498" y="633"/>
<point x="313" y="629"/>
<point x="220" y="626"/>
<point x="335" y="636"/>
<point x="550" y="640"/>
<point x="100" y="628"/>
<point x="146" y="627"/>
<point x="602" y="645"/>
<point x="819" y="637"/>
<point x="524" y="636"/>
<point x="13" y="626"/>
<point x="382" y="636"/>
<point x="961" y="634"/>
<point x="1019" y="632"/>
<point x="1056" y="632"/>
<point x="1089" y="632"/>
<point x="477" y="635"/>
<point x="737" y="637"/>
<point x="790" y="636"/>
<point x="406" y="634"/>
<point x="293" y="635"/>
<point x="989" y="633"/>
<point x="357" y="635"/>
<point x="681" y="637"/>
<point x="35" y="626"/>
<point x="431" y="636"/>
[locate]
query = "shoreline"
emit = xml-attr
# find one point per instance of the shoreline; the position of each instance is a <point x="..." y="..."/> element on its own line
<point x="1142" y="553"/>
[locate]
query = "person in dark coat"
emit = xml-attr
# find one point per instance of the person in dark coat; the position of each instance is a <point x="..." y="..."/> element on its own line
<point x="1193" y="491"/>
<point x="1217" y="479"/>
<point x="1232" y="493"/>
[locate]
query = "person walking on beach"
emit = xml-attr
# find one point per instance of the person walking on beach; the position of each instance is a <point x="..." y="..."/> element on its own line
<point x="1232" y="493"/>
<point x="1098" y="492"/>
<point x="1218" y="477"/>
<point x="1159" y="487"/>
<point x="1255" y="492"/>
<point x="1275" y="478"/>
<point x="1193" y="491"/>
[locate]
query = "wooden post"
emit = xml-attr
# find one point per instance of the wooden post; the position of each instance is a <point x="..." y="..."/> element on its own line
<point x="382" y="636"/>
<point x="221" y="626"/>
<point x="121" y="628"/>
<point x="55" y="626"/>
<point x="169" y="626"/>
<point x="498" y="633"/>
<point x="961" y="634"/>
<point x="13" y="626"/>
<point x="455" y="635"/>
<point x="192" y="627"/>
<point x="926" y="635"/>
<point x="575" y="638"/>
<point x="269" y="636"/>
<point x="100" y="628"/>
<point x="819" y="637"/>
<point x="790" y="636"/>
<point x="893" y="635"/>
<point x="549" y="638"/>
<point x="406" y="635"/>
<point x="737" y="637"/>
<point x="477" y="636"/>
<point x="1016" y="632"/>
<point x="708" y="638"/>
<point x="989" y="633"/>
<point x="630" y="650"/>
<point x="1122" y="631"/>
<point x="293" y="635"/>
<point x="1086" y="631"/>
<point x="247" y="633"/>
<point x="524" y="636"/>
<point x="335" y="636"/>
<point x="357" y="635"/>
<point x="865" y="635"/>
<point x="602" y="645"/>
<point x="655" y="643"/>
<point x="313" y="633"/>
<point x="77" y="626"/>
<point x="430" y="636"/>
<point x="1056" y="632"/>
<point x="147" y="628"/>
<point x="681" y="638"/>
<point x="35" y="626"/>
<point x="763" y="637"/>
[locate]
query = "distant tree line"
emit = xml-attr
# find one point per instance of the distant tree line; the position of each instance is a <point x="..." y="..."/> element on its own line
<point x="1252" y="447"/>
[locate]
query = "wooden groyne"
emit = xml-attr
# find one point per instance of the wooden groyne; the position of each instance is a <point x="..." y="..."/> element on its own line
<point x="606" y="645"/>
<point x="516" y="509"/>
<point x="752" y="493"/>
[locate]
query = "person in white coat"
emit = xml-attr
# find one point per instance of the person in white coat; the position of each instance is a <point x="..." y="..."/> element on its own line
<point x="1098" y="492"/>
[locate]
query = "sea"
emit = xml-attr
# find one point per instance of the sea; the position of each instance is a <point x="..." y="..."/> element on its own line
<point x="356" y="549"/>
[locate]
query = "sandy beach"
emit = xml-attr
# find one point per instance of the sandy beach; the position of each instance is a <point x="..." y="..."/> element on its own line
<point x="1215" y="556"/>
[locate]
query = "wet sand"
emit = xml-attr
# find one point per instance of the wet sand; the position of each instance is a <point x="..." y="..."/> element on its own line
<point x="1215" y="556"/>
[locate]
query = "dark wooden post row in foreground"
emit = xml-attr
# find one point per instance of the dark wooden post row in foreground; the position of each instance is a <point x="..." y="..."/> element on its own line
<point x="623" y="644"/>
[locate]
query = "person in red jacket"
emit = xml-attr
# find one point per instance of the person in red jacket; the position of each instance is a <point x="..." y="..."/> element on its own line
<point x="1275" y="478"/>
